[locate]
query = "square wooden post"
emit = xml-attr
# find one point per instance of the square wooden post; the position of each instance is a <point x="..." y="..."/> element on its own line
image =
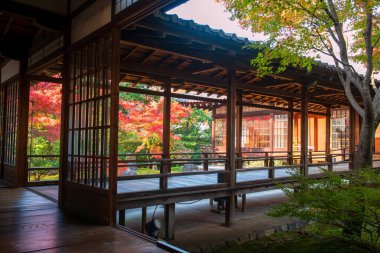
<point x="328" y="139"/>
<point x="169" y="221"/>
<point x="230" y="144"/>
<point x="239" y="129"/>
<point x="22" y="126"/>
<point x="63" y="172"/>
<point x="3" y="126"/>
<point x="290" y="131"/>
<point x="114" y="122"/>
<point x="304" y="130"/>
<point x="165" y="169"/>
<point x="352" y="137"/>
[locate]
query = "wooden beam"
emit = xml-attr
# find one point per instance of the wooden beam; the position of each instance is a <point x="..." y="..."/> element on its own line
<point x="147" y="57"/>
<point x="46" y="19"/>
<point x="139" y="69"/>
<point x="9" y="23"/>
<point x="129" y="53"/>
<point x="140" y="10"/>
<point x="48" y="79"/>
<point x="164" y="60"/>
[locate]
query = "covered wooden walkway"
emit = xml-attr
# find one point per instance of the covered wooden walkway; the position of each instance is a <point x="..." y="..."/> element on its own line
<point x="31" y="223"/>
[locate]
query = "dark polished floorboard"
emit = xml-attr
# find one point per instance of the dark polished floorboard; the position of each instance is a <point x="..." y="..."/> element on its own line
<point x="31" y="223"/>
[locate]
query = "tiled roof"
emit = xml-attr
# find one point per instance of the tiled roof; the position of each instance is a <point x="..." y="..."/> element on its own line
<point x="201" y="28"/>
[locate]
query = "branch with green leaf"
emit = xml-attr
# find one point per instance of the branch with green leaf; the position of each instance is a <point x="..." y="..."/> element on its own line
<point x="299" y="32"/>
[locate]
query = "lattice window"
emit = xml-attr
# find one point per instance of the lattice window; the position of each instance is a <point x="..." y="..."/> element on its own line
<point x="280" y="131"/>
<point x="340" y="134"/>
<point x="260" y="132"/>
<point x="244" y="133"/>
<point x="220" y="132"/>
<point x="89" y="114"/>
<point x="11" y="124"/>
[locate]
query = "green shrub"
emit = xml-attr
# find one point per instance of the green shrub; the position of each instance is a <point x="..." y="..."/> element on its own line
<point x="345" y="206"/>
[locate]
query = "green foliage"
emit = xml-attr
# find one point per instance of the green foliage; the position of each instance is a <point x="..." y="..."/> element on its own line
<point x="195" y="131"/>
<point x="346" y="206"/>
<point x="294" y="242"/>
<point x="300" y="31"/>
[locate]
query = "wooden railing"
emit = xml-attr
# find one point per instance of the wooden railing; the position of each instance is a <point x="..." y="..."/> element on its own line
<point x="43" y="173"/>
<point x="215" y="163"/>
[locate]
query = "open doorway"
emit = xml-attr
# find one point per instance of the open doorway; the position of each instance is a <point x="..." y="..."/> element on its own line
<point x="44" y="131"/>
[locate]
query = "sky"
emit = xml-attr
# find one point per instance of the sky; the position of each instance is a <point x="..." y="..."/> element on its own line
<point x="209" y="12"/>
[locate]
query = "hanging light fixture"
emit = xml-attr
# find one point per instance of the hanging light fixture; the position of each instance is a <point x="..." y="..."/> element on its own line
<point x="153" y="227"/>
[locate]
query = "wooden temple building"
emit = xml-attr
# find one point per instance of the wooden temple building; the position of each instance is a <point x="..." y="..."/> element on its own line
<point x="262" y="126"/>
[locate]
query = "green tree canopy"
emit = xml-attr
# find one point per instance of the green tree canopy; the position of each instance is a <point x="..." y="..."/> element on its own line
<point x="300" y="31"/>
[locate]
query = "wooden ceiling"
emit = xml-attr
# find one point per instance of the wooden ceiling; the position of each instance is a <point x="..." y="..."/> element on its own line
<point x="195" y="59"/>
<point x="23" y="26"/>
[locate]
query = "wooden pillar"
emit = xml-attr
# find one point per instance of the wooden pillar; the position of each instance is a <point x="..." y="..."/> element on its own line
<point x="114" y="122"/>
<point x="64" y="130"/>
<point x="4" y="125"/>
<point x="165" y="169"/>
<point x="169" y="221"/>
<point x="328" y="138"/>
<point x="315" y="133"/>
<point x="290" y="131"/>
<point x="213" y="129"/>
<point x="122" y="217"/>
<point x="230" y="145"/>
<point x="352" y="137"/>
<point x="143" y="218"/>
<point x="239" y="130"/>
<point x="304" y="129"/>
<point x="22" y="126"/>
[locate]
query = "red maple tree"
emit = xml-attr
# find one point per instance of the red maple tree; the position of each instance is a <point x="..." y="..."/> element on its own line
<point x="145" y="120"/>
<point x="45" y="110"/>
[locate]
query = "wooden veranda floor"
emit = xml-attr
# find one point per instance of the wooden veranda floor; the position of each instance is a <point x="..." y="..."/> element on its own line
<point x="31" y="223"/>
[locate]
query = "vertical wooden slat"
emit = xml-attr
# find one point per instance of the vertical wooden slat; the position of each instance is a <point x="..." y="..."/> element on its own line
<point x="304" y="129"/>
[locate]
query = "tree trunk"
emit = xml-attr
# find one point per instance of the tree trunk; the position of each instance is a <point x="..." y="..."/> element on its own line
<point x="363" y="156"/>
